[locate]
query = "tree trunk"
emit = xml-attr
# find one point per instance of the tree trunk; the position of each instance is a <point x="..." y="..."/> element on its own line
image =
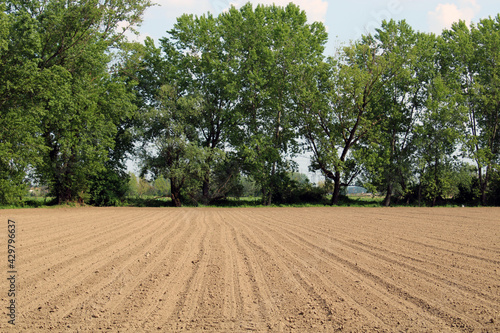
<point x="389" y="178"/>
<point x="419" y="193"/>
<point x="206" y="179"/>
<point x="403" y="187"/>
<point x="63" y="191"/>
<point x="175" y="193"/>
<point x="336" y="189"/>
<point x="64" y="196"/>
<point x="269" y="198"/>
<point x="176" y="199"/>
<point x="484" y="199"/>
<point x="206" y="190"/>
<point x="483" y="181"/>
<point x="271" y="183"/>
<point x="436" y="182"/>
<point x="387" y="199"/>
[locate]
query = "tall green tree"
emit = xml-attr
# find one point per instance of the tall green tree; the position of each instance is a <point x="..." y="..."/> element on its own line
<point x="347" y="106"/>
<point x="168" y="119"/>
<point x="20" y="146"/>
<point x="274" y="45"/>
<point x="213" y="79"/>
<point x="109" y="185"/>
<point x="469" y="62"/>
<point x="436" y="140"/>
<point x="162" y="187"/>
<point x="239" y="72"/>
<point x="388" y="153"/>
<point x="75" y="102"/>
<point x="385" y="152"/>
<point x="133" y="185"/>
<point x="170" y="146"/>
<point x="486" y="36"/>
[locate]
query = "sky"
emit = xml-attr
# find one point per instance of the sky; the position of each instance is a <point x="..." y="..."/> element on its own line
<point x="345" y="20"/>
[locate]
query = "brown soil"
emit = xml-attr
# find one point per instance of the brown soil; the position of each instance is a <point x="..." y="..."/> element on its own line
<point x="256" y="269"/>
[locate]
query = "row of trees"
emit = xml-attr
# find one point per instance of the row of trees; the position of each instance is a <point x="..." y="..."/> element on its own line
<point x="64" y="114"/>
<point x="237" y="96"/>
<point x="219" y="99"/>
<point x="397" y="109"/>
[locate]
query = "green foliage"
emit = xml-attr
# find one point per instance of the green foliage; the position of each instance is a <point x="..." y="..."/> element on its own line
<point x="161" y="186"/>
<point x="494" y="194"/>
<point x="225" y="102"/>
<point x="436" y="139"/>
<point x="465" y="182"/>
<point x="470" y="64"/>
<point x="20" y="147"/>
<point x="235" y="78"/>
<point x="109" y="188"/>
<point x="347" y="104"/>
<point x="174" y="151"/>
<point x="224" y="180"/>
<point x="144" y="188"/>
<point x="387" y="152"/>
<point x="296" y="188"/>
<point x="276" y="47"/>
<point x="133" y="185"/>
<point x="247" y="188"/>
<point x="59" y="105"/>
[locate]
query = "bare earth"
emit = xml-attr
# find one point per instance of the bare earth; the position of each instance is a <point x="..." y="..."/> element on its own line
<point x="255" y="269"/>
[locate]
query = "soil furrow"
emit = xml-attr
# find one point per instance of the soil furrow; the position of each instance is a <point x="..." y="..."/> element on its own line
<point x="448" y="315"/>
<point x="60" y="278"/>
<point x="255" y="269"/>
<point x="366" y="303"/>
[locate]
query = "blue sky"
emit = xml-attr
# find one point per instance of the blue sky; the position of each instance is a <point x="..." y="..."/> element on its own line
<point x="345" y="20"/>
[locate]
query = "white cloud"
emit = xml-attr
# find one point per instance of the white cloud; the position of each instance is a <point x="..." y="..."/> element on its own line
<point x="446" y="14"/>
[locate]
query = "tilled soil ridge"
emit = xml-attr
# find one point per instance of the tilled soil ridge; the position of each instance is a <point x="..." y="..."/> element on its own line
<point x="255" y="269"/>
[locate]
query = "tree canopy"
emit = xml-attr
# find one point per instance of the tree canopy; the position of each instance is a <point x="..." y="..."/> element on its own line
<point x="223" y="104"/>
<point x="60" y="104"/>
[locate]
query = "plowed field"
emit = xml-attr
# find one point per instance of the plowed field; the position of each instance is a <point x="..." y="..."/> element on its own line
<point x="255" y="269"/>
